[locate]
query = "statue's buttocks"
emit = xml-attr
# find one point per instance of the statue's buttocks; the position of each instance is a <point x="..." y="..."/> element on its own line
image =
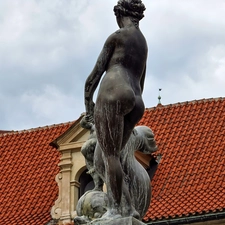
<point x="116" y="91"/>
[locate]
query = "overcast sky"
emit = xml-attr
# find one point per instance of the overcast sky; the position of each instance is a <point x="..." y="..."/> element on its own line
<point x="48" y="48"/>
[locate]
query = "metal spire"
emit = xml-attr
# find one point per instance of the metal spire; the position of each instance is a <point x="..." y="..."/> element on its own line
<point x="159" y="97"/>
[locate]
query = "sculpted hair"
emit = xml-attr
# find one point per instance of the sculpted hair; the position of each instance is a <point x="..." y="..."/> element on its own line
<point x="132" y="8"/>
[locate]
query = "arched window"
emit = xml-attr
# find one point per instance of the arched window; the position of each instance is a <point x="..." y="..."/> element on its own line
<point x="86" y="183"/>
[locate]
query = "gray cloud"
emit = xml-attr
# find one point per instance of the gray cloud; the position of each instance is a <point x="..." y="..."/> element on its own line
<point x="48" y="49"/>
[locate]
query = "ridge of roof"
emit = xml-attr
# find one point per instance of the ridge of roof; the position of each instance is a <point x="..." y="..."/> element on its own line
<point x="203" y="100"/>
<point x="5" y="131"/>
<point x="12" y="132"/>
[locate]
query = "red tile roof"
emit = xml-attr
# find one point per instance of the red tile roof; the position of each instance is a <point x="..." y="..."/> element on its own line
<point x="28" y="166"/>
<point x="190" y="178"/>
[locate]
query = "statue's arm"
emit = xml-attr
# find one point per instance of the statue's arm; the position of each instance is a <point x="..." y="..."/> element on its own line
<point x="96" y="74"/>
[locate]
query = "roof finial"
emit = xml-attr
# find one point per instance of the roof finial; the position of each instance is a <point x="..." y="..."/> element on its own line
<point x="159" y="97"/>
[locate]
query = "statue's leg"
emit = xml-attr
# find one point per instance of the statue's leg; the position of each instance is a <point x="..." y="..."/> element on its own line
<point x="114" y="124"/>
<point x="98" y="182"/>
<point x="99" y="164"/>
<point x="132" y="118"/>
<point x="109" y="129"/>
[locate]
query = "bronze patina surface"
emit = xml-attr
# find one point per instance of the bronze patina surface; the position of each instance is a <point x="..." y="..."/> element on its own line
<point x="119" y="106"/>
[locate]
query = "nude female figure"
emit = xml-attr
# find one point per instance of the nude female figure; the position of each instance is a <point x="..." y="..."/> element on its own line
<point x="119" y="105"/>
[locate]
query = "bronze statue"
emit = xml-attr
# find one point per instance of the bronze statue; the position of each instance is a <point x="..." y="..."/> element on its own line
<point x="119" y="105"/>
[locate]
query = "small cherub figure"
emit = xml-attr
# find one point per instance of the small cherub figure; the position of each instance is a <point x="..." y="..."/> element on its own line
<point x="88" y="150"/>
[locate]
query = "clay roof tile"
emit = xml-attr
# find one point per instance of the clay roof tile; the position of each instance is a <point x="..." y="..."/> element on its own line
<point x="27" y="175"/>
<point x="190" y="178"/>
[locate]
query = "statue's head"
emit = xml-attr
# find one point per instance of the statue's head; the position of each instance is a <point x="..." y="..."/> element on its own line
<point x="131" y="8"/>
<point x="145" y="139"/>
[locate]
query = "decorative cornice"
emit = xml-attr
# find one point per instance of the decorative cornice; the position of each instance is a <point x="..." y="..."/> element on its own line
<point x="75" y="183"/>
<point x="71" y="146"/>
